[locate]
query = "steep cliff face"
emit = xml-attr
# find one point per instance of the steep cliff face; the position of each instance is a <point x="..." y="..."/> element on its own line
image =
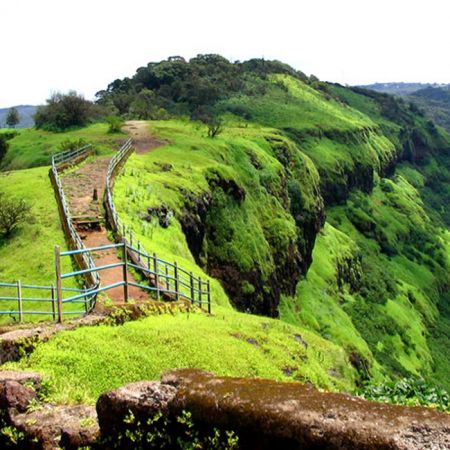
<point x="279" y="204"/>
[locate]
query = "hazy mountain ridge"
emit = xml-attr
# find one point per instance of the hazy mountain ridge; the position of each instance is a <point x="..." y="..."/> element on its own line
<point x="26" y="113"/>
<point x="401" y="88"/>
<point x="432" y="98"/>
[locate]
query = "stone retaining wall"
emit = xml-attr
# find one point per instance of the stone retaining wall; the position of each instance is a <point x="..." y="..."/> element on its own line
<point x="194" y="407"/>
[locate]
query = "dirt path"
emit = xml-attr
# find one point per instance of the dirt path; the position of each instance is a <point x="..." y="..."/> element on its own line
<point x="143" y="141"/>
<point x="88" y="212"/>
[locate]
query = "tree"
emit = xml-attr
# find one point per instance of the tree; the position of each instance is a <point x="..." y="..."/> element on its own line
<point x="214" y="123"/>
<point x="13" y="117"/>
<point x="12" y="213"/>
<point x="64" y="111"/>
<point x="4" y="144"/>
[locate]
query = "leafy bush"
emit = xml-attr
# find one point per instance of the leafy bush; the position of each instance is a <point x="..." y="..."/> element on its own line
<point x="4" y="145"/>
<point x="115" y="124"/>
<point x="407" y="391"/>
<point x="72" y="144"/>
<point x="12" y="213"/>
<point x="64" y="111"/>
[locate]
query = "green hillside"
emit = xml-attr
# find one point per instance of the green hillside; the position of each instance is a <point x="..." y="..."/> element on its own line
<point x="323" y="207"/>
<point x="28" y="255"/>
<point x="33" y="148"/>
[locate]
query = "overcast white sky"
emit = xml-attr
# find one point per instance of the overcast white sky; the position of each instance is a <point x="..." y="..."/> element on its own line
<point x="57" y="45"/>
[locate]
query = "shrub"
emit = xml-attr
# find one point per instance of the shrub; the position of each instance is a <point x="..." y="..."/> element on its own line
<point x="407" y="391"/>
<point x="72" y="144"/>
<point x="4" y="145"/>
<point x="64" y="111"/>
<point x="115" y="124"/>
<point x="12" y="213"/>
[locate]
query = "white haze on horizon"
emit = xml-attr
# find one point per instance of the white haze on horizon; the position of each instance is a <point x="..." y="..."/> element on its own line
<point x="57" y="45"/>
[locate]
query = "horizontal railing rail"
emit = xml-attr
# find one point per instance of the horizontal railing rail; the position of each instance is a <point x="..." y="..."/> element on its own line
<point x="166" y="278"/>
<point x="20" y="300"/>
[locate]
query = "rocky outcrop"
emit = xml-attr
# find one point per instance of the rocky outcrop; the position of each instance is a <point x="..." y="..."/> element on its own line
<point x="193" y="222"/>
<point x="16" y="343"/>
<point x="265" y="414"/>
<point x="17" y="390"/>
<point x="190" y="406"/>
<point x="45" y="426"/>
<point x="52" y="427"/>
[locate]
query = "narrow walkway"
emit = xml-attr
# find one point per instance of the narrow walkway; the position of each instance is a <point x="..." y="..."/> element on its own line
<point x="88" y="213"/>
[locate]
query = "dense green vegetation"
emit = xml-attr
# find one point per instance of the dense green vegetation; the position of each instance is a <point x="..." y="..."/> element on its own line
<point x="65" y="111"/>
<point x="407" y="391"/>
<point x="378" y="279"/>
<point x="323" y="205"/>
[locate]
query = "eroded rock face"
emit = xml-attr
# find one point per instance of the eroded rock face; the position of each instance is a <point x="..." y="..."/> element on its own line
<point x="142" y="399"/>
<point x="267" y="414"/>
<point x="45" y="426"/>
<point x="15" y="396"/>
<point x="25" y="378"/>
<point x="52" y="427"/>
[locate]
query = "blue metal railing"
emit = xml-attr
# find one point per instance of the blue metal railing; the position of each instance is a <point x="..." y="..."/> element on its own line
<point x="165" y="277"/>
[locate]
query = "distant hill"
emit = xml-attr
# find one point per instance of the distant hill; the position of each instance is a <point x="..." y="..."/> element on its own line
<point x="26" y="113"/>
<point x="432" y="98"/>
<point x="401" y="88"/>
<point x="435" y="102"/>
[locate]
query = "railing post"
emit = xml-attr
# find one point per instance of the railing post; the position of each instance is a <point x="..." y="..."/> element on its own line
<point x="167" y="278"/>
<point x="85" y="300"/>
<point x="155" y="266"/>
<point x="53" y="302"/>
<point x="208" y="287"/>
<point x="175" y="272"/>
<point x="125" y="270"/>
<point x="191" y="278"/>
<point x="200" y="287"/>
<point x="139" y="250"/>
<point x="19" y="298"/>
<point x="58" y="283"/>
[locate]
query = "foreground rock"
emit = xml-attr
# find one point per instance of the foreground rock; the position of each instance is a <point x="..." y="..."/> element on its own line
<point x="44" y="426"/>
<point x="266" y="414"/>
<point x="195" y="409"/>
<point x="52" y="427"/>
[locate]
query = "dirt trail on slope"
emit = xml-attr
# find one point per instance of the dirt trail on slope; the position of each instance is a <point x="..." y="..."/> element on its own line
<point x="88" y="213"/>
<point x="143" y="141"/>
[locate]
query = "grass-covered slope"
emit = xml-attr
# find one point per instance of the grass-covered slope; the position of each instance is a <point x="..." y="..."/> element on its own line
<point x="28" y="254"/>
<point x="379" y="274"/>
<point x="82" y="364"/>
<point x="229" y="202"/>
<point x="248" y="210"/>
<point x="376" y="280"/>
<point x="32" y="147"/>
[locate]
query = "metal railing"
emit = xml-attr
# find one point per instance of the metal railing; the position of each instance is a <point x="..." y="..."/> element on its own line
<point x="164" y="284"/>
<point x="84" y="260"/>
<point x="165" y="278"/>
<point x="24" y="299"/>
<point x="18" y="300"/>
